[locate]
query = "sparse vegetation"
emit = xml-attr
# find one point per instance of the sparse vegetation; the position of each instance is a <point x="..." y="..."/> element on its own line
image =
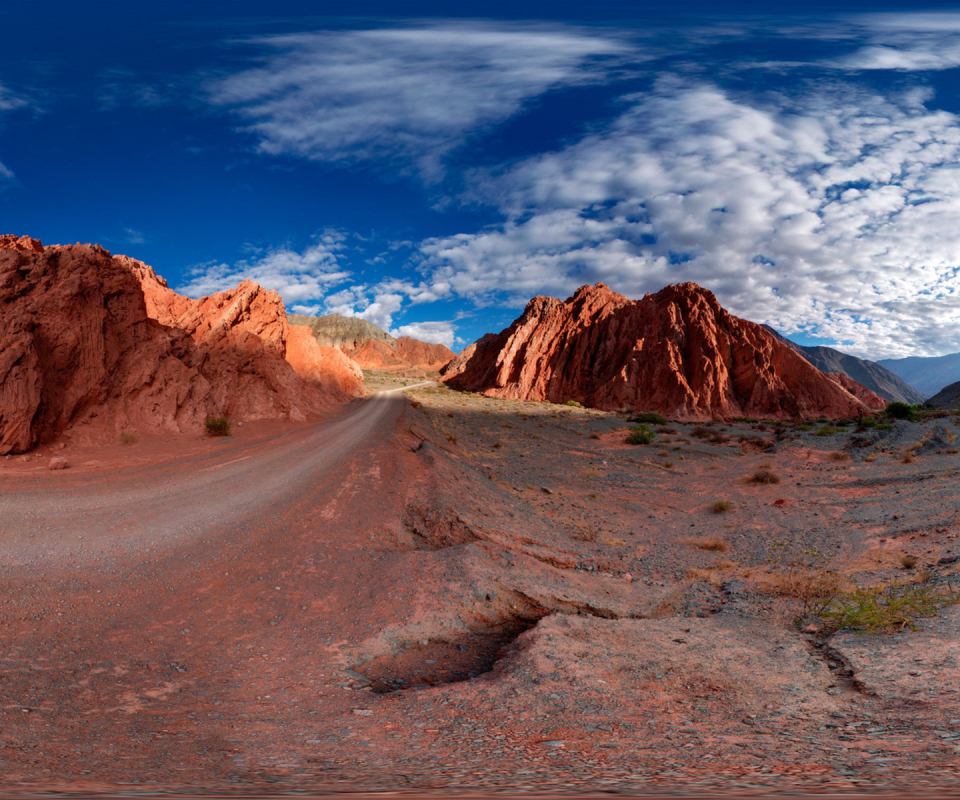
<point x="879" y="609"/>
<point x="815" y="588"/>
<point x="127" y="438"/>
<point x="573" y="404"/>
<point x="884" y="426"/>
<point x="640" y="434"/>
<point x="825" y="430"/>
<point x="711" y="545"/>
<point x="838" y="456"/>
<point x="649" y="417"/>
<point x="908" y="561"/>
<point x="217" y="426"/>
<point x="721" y="506"/>
<point x="899" y="410"/>
<point x="763" y="476"/>
<point x="748" y="420"/>
<point x="908" y="457"/>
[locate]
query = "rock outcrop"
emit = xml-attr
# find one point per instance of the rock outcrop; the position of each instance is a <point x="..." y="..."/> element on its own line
<point x="372" y="347"/>
<point x="99" y="343"/>
<point x="676" y="352"/>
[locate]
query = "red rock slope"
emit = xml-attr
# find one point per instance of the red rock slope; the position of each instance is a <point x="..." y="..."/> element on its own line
<point x="94" y="342"/>
<point x="676" y="352"/>
<point x="401" y="353"/>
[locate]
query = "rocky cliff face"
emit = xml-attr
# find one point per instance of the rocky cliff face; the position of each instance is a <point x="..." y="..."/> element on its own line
<point x="372" y="347"/>
<point x="98" y="343"/>
<point x="676" y="352"/>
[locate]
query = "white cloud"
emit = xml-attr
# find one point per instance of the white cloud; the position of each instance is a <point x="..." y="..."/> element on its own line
<point x="836" y="214"/>
<point x="402" y="94"/>
<point x="435" y="332"/>
<point x="906" y="42"/>
<point x="9" y="101"/>
<point x="302" y="279"/>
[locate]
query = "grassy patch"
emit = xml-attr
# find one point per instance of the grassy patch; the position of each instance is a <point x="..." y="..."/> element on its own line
<point x="640" y="434"/>
<point x="886" y="609"/>
<point x="649" y="417"/>
<point x="573" y="404"/>
<point x="217" y="426"/>
<point x="711" y="545"/>
<point x="825" y="430"/>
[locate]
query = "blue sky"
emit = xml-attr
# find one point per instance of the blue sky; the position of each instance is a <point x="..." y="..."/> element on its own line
<point x="431" y="166"/>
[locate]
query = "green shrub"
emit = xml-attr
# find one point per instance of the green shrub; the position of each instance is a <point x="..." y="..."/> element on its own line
<point x="217" y="426"/>
<point x="825" y="430"/>
<point x="649" y="417"/>
<point x="573" y="404"/>
<point x="884" y="426"/>
<point x="877" y="609"/>
<point x="640" y="434"/>
<point x="743" y="419"/>
<point x="821" y="420"/>
<point x="898" y="410"/>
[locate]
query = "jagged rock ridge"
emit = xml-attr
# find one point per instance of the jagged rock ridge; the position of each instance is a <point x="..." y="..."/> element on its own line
<point x="676" y="352"/>
<point x="98" y="343"/>
<point x="372" y="347"/>
<point x="870" y="374"/>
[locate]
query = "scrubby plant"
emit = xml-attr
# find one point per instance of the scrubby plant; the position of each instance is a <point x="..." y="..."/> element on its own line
<point x="899" y="410"/>
<point x="821" y="420"/>
<point x="825" y="430"/>
<point x="721" y="506"/>
<point x="885" y="609"/>
<point x="711" y="545"/>
<point x="640" y="434"/>
<point x="748" y="420"/>
<point x="217" y="426"/>
<point x="649" y="417"/>
<point x="908" y="561"/>
<point x="884" y="426"/>
<point x="573" y="404"/>
<point x="701" y="432"/>
<point x="838" y="455"/>
<point x="763" y="476"/>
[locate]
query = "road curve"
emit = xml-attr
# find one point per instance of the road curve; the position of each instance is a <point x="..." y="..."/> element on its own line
<point x="58" y="517"/>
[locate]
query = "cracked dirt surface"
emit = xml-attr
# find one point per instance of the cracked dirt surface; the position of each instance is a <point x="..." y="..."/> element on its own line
<point x="472" y="593"/>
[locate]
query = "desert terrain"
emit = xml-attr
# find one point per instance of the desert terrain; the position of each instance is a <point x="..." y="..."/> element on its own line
<point x="431" y="591"/>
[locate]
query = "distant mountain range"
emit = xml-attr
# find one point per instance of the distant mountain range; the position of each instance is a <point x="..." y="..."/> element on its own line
<point x="928" y="375"/>
<point x="878" y="376"/>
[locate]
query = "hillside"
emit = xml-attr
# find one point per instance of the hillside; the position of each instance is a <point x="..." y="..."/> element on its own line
<point x="928" y="375"/>
<point x="676" y="352"/>
<point x="871" y="374"/>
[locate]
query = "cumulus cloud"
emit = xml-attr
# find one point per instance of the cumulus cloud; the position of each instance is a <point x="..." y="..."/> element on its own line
<point x="906" y="43"/>
<point x="834" y="214"/>
<point x="402" y="94"/>
<point x="301" y="278"/>
<point x="435" y="332"/>
<point x="9" y="101"/>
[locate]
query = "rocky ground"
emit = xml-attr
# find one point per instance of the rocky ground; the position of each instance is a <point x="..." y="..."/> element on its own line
<point x="485" y="595"/>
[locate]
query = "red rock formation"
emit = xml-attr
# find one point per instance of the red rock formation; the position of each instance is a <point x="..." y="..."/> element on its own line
<point x="376" y="354"/>
<point x="676" y="352"/>
<point x="425" y="355"/>
<point x="92" y="340"/>
<point x="867" y="396"/>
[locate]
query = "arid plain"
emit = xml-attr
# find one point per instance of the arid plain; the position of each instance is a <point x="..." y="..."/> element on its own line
<point x="434" y="590"/>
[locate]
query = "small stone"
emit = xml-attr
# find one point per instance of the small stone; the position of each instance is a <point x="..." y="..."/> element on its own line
<point x="811" y="629"/>
<point x="554" y="743"/>
<point x="627" y="577"/>
<point x="949" y="560"/>
<point x="363" y="712"/>
<point x="58" y="462"/>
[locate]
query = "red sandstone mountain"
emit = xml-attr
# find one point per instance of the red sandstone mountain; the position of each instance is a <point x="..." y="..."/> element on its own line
<point x="372" y="347"/>
<point x="676" y="352"/>
<point x="98" y="342"/>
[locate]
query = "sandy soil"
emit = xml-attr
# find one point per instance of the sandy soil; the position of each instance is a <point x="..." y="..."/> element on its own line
<point x="466" y="593"/>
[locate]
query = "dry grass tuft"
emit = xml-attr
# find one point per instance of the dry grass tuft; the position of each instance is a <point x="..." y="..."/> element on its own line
<point x="814" y="588"/>
<point x="712" y="545"/>
<point x="870" y="458"/>
<point x="908" y="458"/>
<point x="763" y="476"/>
<point x="838" y="455"/>
<point x="908" y="561"/>
<point x="720" y="506"/>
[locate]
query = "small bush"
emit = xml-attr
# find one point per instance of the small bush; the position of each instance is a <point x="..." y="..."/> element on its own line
<point x="908" y="458"/>
<point x="720" y="506"/>
<point x="217" y="426"/>
<point x="711" y="545"/>
<point x="884" y="426"/>
<point x="887" y="609"/>
<point x="907" y="561"/>
<point x="838" y="455"/>
<point x="573" y="404"/>
<point x="867" y="422"/>
<point x="649" y="417"/>
<point x="764" y="476"/>
<point x="898" y="410"/>
<point x="640" y="434"/>
<point x="821" y="420"/>
<point x="825" y="430"/>
<point x="701" y="432"/>
<point x="749" y="420"/>
<point x="595" y="435"/>
<point x="127" y="438"/>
